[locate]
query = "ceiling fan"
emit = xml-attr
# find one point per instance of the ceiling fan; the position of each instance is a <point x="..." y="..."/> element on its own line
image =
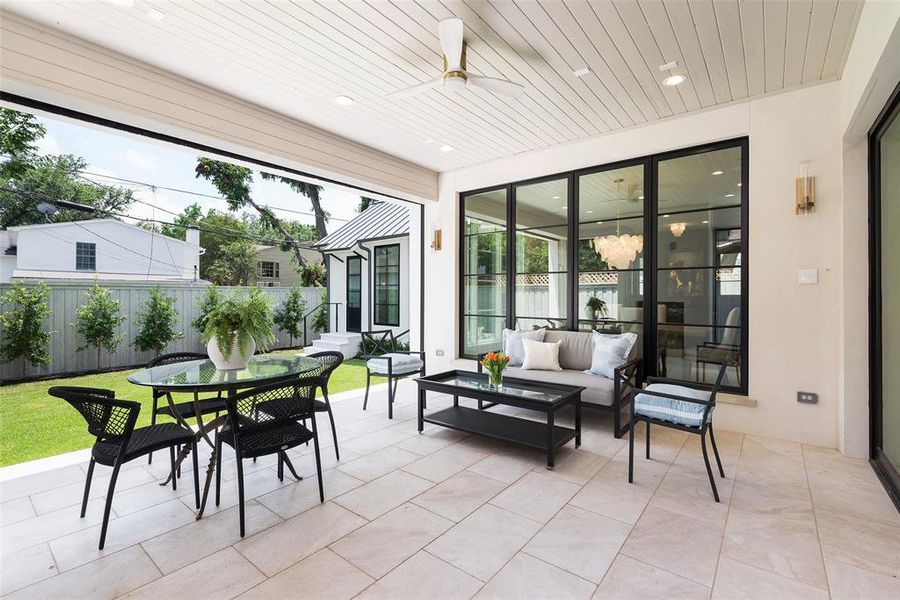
<point x="455" y="76"/>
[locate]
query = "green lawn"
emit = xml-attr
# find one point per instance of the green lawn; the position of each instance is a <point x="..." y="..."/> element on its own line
<point x="36" y="425"/>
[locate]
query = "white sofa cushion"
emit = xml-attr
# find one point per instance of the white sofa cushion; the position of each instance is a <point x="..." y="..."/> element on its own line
<point x="540" y="356"/>
<point x="401" y="364"/>
<point x="513" y="347"/>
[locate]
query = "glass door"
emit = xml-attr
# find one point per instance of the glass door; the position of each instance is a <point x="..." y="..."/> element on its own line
<point x="354" y="293"/>
<point x="884" y="156"/>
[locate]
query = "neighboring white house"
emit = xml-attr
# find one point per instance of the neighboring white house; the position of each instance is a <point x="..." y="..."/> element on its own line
<point x="277" y="268"/>
<point x="368" y="273"/>
<point x="105" y="249"/>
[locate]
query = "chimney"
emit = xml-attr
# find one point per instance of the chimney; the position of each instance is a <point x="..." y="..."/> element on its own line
<point x="192" y="236"/>
<point x="192" y="255"/>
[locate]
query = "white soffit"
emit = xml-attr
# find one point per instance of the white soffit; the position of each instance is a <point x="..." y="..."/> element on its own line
<point x="296" y="57"/>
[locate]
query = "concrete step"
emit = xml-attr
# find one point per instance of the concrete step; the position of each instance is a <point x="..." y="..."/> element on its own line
<point x="346" y="344"/>
<point x="340" y="337"/>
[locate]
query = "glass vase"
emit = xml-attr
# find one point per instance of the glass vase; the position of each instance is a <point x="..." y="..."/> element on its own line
<point x="495" y="378"/>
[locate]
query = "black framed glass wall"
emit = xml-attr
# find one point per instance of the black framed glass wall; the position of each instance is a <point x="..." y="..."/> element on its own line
<point x="666" y="231"/>
<point x="387" y="285"/>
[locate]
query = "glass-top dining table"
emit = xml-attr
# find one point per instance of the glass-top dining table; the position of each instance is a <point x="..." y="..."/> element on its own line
<point x="201" y="377"/>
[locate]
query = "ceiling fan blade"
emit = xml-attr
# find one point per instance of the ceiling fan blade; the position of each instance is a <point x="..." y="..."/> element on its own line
<point x="417" y="89"/>
<point x="498" y="86"/>
<point x="451" y="33"/>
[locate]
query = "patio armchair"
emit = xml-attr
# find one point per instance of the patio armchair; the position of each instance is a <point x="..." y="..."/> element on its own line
<point x="673" y="404"/>
<point x="264" y="421"/>
<point x="112" y="422"/>
<point x="383" y="359"/>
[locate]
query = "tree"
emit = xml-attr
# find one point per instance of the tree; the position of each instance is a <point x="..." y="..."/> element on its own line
<point x="19" y="133"/>
<point x="313" y="275"/>
<point x="300" y="232"/>
<point x="189" y="217"/>
<point x="320" y="317"/>
<point x="289" y="316"/>
<point x="208" y="301"/>
<point x="229" y="257"/>
<point x="365" y="202"/>
<point x="158" y="322"/>
<point x="311" y="191"/>
<point x="234" y="264"/>
<point x="24" y="333"/>
<point x="98" y="320"/>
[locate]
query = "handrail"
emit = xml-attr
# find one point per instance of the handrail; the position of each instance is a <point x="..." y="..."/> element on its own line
<point x="319" y="306"/>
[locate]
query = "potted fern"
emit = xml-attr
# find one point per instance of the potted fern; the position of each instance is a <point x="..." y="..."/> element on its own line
<point x="595" y="307"/>
<point x="236" y="326"/>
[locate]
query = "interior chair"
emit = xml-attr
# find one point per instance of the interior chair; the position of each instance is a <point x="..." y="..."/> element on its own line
<point x="185" y="410"/>
<point x="728" y="350"/>
<point x="675" y="405"/>
<point x="266" y="420"/>
<point x="383" y="359"/>
<point x="112" y="422"/>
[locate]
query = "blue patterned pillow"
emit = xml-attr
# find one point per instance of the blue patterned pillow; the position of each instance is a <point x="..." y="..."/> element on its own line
<point x="609" y="352"/>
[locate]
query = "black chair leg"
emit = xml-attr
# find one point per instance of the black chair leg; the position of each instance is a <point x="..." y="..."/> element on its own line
<point x="318" y="460"/>
<point x="390" y="400"/>
<point x="368" y="380"/>
<point x="152" y="422"/>
<point x="87" y="487"/>
<point x="280" y="466"/>
<point x="196" y="474"/>
<point x="712" y="482"/>
<point x="712" y="440"/>
<point x="240" y="478"/>
<point x="109" y="497"/>
<point x="172" y="466"/>
<point x="631" y="451"/>
<point x="337" y="453"/>
<point x="218" y="469"/>
<point x="648" y="440"/>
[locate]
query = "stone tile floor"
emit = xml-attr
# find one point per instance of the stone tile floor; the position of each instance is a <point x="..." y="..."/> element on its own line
<point x="445" y="515"/>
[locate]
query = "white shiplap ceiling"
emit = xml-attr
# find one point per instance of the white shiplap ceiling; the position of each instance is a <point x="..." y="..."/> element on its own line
<point x="295" y="57"/>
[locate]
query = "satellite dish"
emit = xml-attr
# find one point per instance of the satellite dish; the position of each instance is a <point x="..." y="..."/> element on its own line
<point x="47" y="209"/>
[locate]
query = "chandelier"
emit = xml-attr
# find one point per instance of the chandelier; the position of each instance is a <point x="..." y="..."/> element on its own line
<point x="618" y="251"/>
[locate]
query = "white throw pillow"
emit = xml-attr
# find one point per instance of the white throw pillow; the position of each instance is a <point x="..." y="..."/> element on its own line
<point x="609" y="352"/>
<point x="541" y="356"/>
<point x="512" y="344"/>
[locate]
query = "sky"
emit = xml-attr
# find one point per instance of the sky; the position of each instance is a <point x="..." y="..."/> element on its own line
<point x="111" y="154"/>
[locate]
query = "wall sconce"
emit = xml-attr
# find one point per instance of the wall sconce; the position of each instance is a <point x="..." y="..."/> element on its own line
<point x="436" y="237"/>
<point x="805" y="191"/>
<point x="677" y="229"/>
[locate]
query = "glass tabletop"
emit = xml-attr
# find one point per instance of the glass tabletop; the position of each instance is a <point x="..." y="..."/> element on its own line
<point x="507" y="388"/>
<point x="202" y="374"/>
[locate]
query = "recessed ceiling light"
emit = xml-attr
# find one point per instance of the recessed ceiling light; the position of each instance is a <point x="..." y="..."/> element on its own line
<point x="446" y="148"/>
<point x="704" y="222"/>
<point x="121" y="2"/>
<point x="717" y="172"/>
<point x="155" y="15"/>
<point x="589" y="212"/>
<point x="640" y="197"/>
<point x="581" y="72"/>
<point x="565" y="207"/>
<point x="673" y="80"/>
<point x="665" y="216"/>
<point x="729" y="195"/>
<point x="740" y="184"/>
<point x="429" y="140"/>
<point x="556" y="197"/>
<point x="343" y="100"/>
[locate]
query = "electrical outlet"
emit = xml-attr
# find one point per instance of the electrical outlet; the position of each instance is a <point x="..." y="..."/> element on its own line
<point x="438" y="352"/>
<point x="808" y="397"/>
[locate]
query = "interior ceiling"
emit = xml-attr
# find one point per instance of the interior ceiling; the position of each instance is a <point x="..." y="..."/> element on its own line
<point x="295" y="57"/>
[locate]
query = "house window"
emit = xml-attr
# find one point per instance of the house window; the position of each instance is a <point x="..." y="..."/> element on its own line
<point x="85" y="256"/>
<point x="655" y="245"/>
<point x="387" y="285"/>
<point x="267" y="269"/>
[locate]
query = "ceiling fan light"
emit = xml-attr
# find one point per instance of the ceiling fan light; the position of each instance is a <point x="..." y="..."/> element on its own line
<point x="454" y="82"/>
<point x="674" y="79"/>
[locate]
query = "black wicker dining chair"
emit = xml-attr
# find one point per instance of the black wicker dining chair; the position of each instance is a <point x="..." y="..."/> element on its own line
<point x="185" y="410"/>
<point x="330" y="360"/>
<point x="112" y="422"/>
<point x="267" y="420"/>
<point x="384" y="359"/>
<point x="676" y="405"/>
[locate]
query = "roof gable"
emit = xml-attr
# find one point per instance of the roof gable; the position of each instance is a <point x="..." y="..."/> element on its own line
<point x="381" y="220"/>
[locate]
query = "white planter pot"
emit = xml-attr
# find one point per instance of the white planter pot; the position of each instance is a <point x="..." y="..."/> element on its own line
<point x="235" y="359"/>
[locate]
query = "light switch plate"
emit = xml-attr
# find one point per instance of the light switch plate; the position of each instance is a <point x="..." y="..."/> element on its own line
<point x="438" y="352"/>
<point x="808" y="276"/>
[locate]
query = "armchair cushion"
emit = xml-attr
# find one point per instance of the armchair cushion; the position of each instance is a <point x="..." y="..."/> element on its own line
<point x="669" y="409"/>
<point x="401" y="364"/>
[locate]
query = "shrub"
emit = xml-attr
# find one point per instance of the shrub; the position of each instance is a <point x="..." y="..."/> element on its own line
<point x="158" y="320"/>
<point x="97" y="321"/>
<point x="368" y="347"/>
<point x="24" y="335"/>
<point x="289" y="316"/>
<point x="207" y="302"/>
<point x="320" y="317"/>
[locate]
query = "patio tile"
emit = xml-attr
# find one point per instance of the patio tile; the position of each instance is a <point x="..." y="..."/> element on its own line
<point x="506" y="469"/>
<point x="579" y="541"/>
<point x="221" y="575"/>
<point x="39" y="482"/>
<point x="431" y="440"/>
<point x="45" y="528"/>
<point x="378" y="463"/>
<point x="860" y="543"/>
<point x="386" y="493"/>
<point x="853" y="499"/>
<point x="484" y="541"/>
<point x="274" y="549"/>
<point x="24" y="567"/>
<point x="322" y="575"/>
<point x="788" y="548"/>
<point x="688" y="493"/>
<point x="628" y="578"/>
<point x="576" y="466"/>
<point x="675" y="543"/>
<point x="423" y="576"/>
<point x="536" y="496"/>
<point x="150" y="494"/>
<point x="610" y="494"/>
<point x="735" y="580"/>
<point x="255" y="484"/>
<point x="291" y="500"/>
<point x="378" y="439"/>
<point x="70" y="495"/>
<point x="107" y="577"/>
<point x="78" y="548"/>
<point x="180" y="547"/>
<point x="445" y="463"/>
<point x="16" y="510"/>
<point x="528" y="577"/>
<point x="460" y="495"/>
<point x="785" y="502"/>
<point x="829" y="464"/>
<point x="846" y="582"/>
<point x="305" y="462"/>
<point x="389" y="540"/>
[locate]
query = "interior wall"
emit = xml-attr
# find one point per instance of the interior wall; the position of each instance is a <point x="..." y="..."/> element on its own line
<point x="793" y="328"/>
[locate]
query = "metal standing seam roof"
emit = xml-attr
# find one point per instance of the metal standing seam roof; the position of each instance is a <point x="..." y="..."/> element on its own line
<point x="382" y="220"/>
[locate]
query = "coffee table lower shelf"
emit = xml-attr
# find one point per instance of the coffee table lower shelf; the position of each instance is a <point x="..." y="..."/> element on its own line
<point x="501" y="427"/>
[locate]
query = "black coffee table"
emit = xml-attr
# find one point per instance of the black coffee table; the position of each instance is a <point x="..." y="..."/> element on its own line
<point x="548" y="398"/>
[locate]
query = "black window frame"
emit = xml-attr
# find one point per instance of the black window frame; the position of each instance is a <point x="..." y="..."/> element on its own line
<point x="275" y="269"/>
<point x="90" y="255"/>
<point x="650" y="270"/>
<point x="376" y="287"/>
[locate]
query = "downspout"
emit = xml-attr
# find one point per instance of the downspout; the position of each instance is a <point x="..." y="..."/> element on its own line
<point x="370" y="296"/>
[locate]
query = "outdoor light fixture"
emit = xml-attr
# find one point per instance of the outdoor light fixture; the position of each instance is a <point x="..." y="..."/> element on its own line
<point x="675" y="76"/>
<point x="805" y="190"/>
<point x="436" y="237"/>
<point x="677" y="229"/>
<point x="619" y="251"/>
<point x="343" y="100"/>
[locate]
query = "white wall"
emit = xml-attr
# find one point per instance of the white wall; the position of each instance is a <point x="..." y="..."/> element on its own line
<point x="793" y="329"/>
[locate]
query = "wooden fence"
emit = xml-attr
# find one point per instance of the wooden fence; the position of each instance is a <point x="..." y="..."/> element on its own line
<point x="65" y="298"/>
